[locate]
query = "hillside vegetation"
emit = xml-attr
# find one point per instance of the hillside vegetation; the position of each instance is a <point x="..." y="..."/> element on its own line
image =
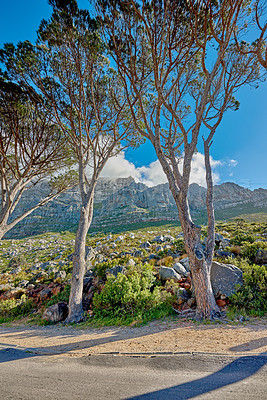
<point x="124" y="282"/>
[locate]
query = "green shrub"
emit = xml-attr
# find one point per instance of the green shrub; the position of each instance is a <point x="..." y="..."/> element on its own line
<point x="179" y="246"/>
<point x="132" y="294"/>
<point x="249" y="250"/>
<point x="252" y="296"/>
<point x="239" y="238"/>
<point x="13" y="308"/>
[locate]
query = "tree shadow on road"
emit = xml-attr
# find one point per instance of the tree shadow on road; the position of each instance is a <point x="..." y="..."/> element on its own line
<point x="236" y="371"/>
<point x="252" y="345"/>
<point x="11" y="354"/>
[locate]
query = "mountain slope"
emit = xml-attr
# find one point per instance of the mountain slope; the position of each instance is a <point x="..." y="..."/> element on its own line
<point x="122" y="201"/>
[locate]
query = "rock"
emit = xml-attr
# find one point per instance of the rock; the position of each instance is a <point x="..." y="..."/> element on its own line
<point x="185" y="263"/>
<point x="222" y="253"/>
<point x="224" y="278"/>
<point x="145" y="245"/>
<point x="39" y="277"/>
<point x="154" y="257"/>
<point x="45" y="294"/>
<point x="99" y="259"/>
<point x="159" y="248"/>
<point x="180" y="236"/>
<point x="182" y="296"/>
<point x="168" y="238"/>
<point x="138" y="253"/>
<point x="116" y="269"/>
<point x="178" y="267"/>
<point x="221" y="303"/>
<point x="56" y="313"/>
<point x="158" y="239"/>
<point x="52" y="270"/>
<point x="169" y="273"/>
<point x="120" y="238"/>
<point x="166" y="247"/>
<point x="130" y="263"/>
<point x="60" y="274"/>
<point x="90" y="255"/>
<point x="4" y="287"/>
<point x="22" y="284"/>
<point x="15" y="271"/>
<point x="224" y="243"/>
<point x="218" y="238"/>
<point x="261" y="256"/>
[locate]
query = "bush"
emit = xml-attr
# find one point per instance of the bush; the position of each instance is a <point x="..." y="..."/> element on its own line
<point x="180" y="246"/>
<point x="241" y="238"/>
<point x="252" y="296"/>
<point x="131" y="294"/>
<point x="12" y="308"/>
<point x="249" y="250"/>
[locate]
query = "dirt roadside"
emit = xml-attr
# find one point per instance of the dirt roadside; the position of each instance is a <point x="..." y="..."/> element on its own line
<point x="157" y="337"/>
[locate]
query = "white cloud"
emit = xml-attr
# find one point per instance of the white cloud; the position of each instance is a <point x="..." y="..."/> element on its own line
<point x="233" y="163"/>
<point x="152" y="175"/>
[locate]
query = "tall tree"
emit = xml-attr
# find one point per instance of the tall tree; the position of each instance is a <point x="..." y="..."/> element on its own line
<point x="180" y="69"/>
<point x="68" y="66"/>
<point x="259" y="25"/>
<point x="32" y="150"/>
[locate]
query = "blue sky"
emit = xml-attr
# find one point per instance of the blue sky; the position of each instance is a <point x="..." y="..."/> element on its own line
<point x="240" y="144"/>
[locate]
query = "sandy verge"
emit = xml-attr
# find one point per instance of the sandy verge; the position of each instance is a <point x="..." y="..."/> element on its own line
<point x="156" y="337"/>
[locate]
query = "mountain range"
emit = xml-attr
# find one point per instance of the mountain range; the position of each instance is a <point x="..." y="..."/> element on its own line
<point x="123" y="201"/>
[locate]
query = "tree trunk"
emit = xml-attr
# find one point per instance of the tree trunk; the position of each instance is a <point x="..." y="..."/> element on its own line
<point x="75" y="300"/>
<point x="206" y="304"/>
<point x="3" y="231"/>
<point x="200" y="266"/>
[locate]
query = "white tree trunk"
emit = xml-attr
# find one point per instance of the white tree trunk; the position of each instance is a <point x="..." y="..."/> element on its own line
<point x="75" y="300"/>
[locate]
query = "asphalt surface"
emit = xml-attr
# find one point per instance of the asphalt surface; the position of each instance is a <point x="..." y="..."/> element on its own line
<point x="28" y="376"/>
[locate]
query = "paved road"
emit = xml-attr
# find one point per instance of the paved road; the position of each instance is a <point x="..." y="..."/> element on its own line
<point x="26" y="376"/>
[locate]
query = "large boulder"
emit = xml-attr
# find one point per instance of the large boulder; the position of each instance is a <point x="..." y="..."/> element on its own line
<point x="180" y="269"/>
<point x="115" y="270"/>
<point x="224" y="278"/>
<point x="185" y="263"/>
<point x="56" y="313"/>
<point x="169" y="273"/>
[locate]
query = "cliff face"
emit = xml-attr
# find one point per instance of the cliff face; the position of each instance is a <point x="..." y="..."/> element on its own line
<point x="122" y="201"/>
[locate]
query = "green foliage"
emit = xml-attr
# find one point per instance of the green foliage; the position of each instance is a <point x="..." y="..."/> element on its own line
<point x="249" y="250"/>
<point x="179" y="246"/>
<point x="131" y="294"/>
<point x="240" y="238"/>
<point x="13" y="308"/>
<point x="252" y="296"/>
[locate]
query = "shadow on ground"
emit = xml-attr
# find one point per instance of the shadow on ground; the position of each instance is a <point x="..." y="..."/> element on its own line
<point x="11" y="354"/>
<point x="236" y="371"/>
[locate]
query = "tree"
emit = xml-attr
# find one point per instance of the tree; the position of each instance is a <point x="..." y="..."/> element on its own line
<point x="180" y="67"/>
<point x="68" y="66"/>
<point x="259" y="46"/>
<point x="32" y="150"/>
